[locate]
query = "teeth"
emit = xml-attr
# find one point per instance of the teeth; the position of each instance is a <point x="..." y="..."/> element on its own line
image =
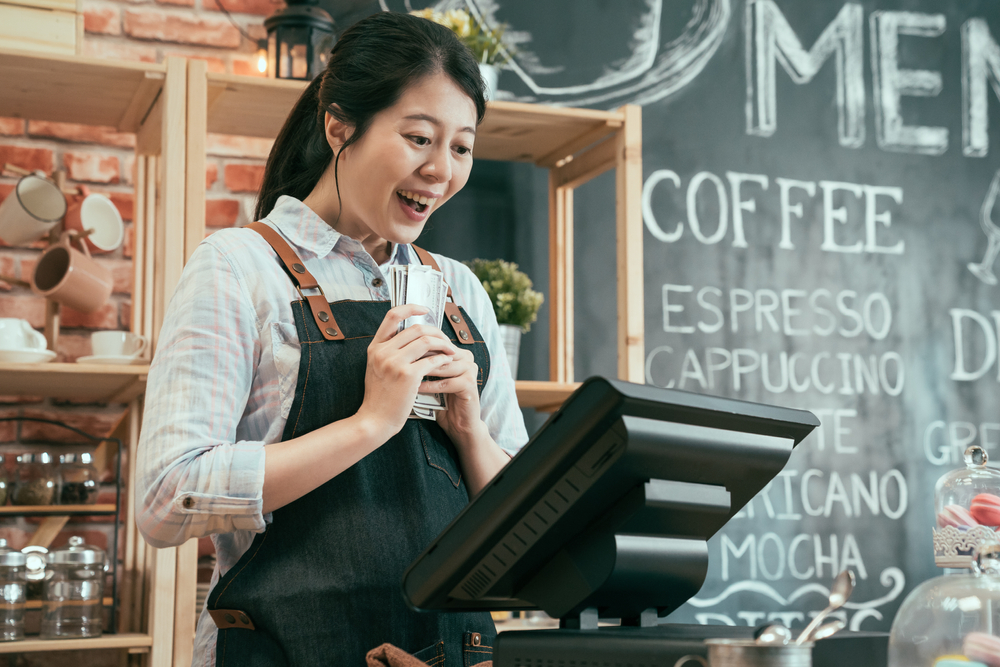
<point x="420" y="199"/>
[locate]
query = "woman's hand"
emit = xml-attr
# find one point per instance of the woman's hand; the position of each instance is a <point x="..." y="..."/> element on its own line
<point x="397" y="363"/>
<point x="458" y="379"/>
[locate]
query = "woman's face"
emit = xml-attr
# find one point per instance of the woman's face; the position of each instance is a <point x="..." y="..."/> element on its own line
<point x="415" y="155"/>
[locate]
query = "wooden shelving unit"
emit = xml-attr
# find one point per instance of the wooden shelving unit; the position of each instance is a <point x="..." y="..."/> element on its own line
<point x="93" y="383"/>
<point x="148" y="100"/>
<point x="133" y="641"/>
<point x="57" y="510"/>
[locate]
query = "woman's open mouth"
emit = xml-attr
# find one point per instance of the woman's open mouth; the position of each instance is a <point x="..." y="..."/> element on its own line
<point x="418" y="203"/>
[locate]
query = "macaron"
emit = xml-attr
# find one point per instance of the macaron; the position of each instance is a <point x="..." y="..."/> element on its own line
<point x="985" y="509"/>
<point x="982" y="647"/>
<point x="955" y="515"/>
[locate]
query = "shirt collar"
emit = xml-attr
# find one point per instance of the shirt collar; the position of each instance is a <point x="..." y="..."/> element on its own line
<point x="302" y="227"/>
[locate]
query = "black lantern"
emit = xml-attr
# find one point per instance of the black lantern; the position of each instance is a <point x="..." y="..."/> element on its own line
<point x="299" y="39"/>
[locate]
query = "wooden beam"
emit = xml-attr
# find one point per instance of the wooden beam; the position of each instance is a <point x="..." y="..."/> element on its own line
<point x="197" y="136"/>
<point x="47" y="530"/>
<point x="142" y="102"/>
<point x="185" y="611"/>
<point x="161" y="606"/>
<point x="588" y="165"/>
<point x="560" y="281"/>
<point x="629" y="227"/>
<point x="573" y="147"/>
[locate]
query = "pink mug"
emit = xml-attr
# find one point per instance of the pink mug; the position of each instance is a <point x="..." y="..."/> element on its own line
<point x="70" y="277"/>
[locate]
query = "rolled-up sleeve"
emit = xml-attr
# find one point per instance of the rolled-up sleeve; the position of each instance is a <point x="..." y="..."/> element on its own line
<point x="193" y="478"/>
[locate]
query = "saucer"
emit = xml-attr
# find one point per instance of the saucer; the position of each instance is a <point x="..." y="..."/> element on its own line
<point x="119" y="359"/>
<point x="26" y="356"/>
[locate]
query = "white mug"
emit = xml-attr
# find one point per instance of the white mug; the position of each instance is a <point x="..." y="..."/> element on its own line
<point x="117" y="344"/>
<point x="97" y="213"/>
<point x="35" y="206"/>
<point x="17" y="334"/>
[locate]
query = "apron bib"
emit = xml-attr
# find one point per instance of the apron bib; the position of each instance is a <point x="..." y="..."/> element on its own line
<point x="321" y="585"/>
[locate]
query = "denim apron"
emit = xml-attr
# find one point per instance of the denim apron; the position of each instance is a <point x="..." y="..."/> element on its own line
<point x="322" y="584"/>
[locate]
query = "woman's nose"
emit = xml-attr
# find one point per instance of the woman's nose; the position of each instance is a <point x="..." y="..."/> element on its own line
<point x="438" y="165"/>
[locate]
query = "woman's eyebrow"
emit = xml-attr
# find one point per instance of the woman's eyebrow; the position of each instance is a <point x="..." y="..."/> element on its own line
<point x="435" y="121"/>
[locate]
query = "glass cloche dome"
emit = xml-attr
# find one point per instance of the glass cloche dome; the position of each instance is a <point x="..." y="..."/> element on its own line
<point x="954" y="620"/>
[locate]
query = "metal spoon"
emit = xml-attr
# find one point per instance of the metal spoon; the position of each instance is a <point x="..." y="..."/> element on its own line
<point x="840" y="591"/>
<point x="827" y="630"/>
<point x="773" y="635"/>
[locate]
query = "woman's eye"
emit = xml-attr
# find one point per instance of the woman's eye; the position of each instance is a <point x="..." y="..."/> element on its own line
<point x="463" y="150"/>
<point x="420" y="141"/>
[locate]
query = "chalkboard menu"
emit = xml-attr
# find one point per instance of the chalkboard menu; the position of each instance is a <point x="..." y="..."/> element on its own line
<point x="822" y="229"/>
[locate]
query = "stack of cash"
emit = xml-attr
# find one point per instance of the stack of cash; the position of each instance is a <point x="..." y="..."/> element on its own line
<point x="421" y="285"/>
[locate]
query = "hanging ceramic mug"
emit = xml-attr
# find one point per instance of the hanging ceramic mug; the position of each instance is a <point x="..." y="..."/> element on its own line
<point x="70" y="277"/>
<point x="98" y="213"/>
<point x="35" y="206"/>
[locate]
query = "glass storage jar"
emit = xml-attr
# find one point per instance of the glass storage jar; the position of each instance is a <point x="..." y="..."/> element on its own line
<point x="951" y="620"/>
<point x="72" y="600"/>
<point x="13" y="582"/>
<point x="34" y="480"/>
<point x="77" y="479"/>
<point x="967" y="510"/>
<point x="36" y="571"/>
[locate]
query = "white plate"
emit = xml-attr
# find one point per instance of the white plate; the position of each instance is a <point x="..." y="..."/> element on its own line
<point x="119" y="359"/>
<point x="26" y="356"/>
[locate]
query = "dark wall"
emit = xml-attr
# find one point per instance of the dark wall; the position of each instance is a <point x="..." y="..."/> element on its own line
<point x="823" y="260"/>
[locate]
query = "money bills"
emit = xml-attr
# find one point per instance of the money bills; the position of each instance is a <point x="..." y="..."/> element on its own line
<point x="420" y="285"/>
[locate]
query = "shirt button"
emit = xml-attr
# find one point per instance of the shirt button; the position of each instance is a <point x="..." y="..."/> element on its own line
<point x="188" y="502"/>
<point x="377" y="282"/>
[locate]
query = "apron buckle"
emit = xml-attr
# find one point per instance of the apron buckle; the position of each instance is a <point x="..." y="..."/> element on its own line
<point x="231" y="618"/>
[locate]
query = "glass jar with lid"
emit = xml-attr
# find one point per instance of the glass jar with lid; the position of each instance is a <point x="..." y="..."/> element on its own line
<point x="72" y="600"/>
<point x="77" y="479"/>
<point x="954" y="619"/>
<point x="13" y="583"/>
<point x="34" y="480"/>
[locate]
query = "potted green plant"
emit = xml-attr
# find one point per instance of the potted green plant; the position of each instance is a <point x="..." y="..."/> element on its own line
<point x="486" y="43"/>
<point x="514" y="302"/>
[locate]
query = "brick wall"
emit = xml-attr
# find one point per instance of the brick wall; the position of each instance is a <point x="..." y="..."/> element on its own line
<point x="102" y="159"/>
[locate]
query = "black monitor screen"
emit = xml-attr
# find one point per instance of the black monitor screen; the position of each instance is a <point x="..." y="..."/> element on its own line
<point x="609" y="505"/>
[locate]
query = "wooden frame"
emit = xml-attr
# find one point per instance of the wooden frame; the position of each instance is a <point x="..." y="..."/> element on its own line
<point x="150" y="101"/>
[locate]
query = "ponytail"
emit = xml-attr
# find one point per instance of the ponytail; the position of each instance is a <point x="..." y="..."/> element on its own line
<point x="299" y="155"/>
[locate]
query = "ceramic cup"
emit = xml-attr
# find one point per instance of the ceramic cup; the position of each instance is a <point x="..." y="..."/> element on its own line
<point x="97" y="212"/>
<point x="70" y="277"/>
<point x="17" y="334"/>
<point x="748" y="653"/>
<point x="117" y="344"/>
<point x="34" y="207"/>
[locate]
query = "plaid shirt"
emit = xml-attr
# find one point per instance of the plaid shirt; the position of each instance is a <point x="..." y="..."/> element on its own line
<point x="224" y="374"/>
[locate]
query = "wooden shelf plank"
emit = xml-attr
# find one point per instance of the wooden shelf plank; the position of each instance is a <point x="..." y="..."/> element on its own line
<point x="37" y="604"/>
<point x="36" y="645"/>
<point x="544" y="396"/>
<point x="95" y="92"/>
<point x="36" y="510"/>
<point x="257" y="107"/>
<point x="97" y="383"/>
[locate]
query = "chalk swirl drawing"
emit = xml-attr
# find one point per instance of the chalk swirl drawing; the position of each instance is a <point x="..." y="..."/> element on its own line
<point x="891" y="577"/>
<point x="654" y="69"/>
<point x="990" y="209"/>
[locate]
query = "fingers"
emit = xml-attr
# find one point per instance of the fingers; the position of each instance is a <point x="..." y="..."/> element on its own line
<point x="390" y="325"/>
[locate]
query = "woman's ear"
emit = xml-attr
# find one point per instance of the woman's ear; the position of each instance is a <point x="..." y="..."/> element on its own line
<point x="337" y="132"/>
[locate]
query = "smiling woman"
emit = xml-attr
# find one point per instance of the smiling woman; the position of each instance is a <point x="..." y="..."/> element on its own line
<point x="317" y="489"/>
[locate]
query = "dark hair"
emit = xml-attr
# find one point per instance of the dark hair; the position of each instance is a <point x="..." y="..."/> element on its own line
<point x="370" y="66"/>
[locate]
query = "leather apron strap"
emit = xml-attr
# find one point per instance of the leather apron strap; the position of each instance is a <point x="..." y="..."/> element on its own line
<point x="451" y="310"/>
<point x="303" y="280"/>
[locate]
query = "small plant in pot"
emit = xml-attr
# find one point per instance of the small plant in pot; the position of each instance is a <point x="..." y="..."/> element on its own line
<point x="514" y="302"/>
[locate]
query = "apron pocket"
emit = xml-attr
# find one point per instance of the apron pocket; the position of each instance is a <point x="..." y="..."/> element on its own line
<point x="437" y="454"/>
<point x="473" y="649"/>
<point x="433" y="655"/>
